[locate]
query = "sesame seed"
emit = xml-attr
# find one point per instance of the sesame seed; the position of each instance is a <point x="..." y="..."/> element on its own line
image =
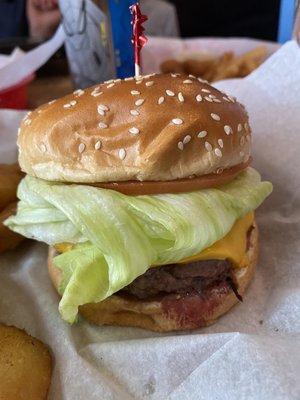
<point x="208" y="99"/>
<point x="226" y="98"/>
<point x="109" y="81"/>
<point x="240" y="128"/>
<point x="19" y="131"/>
<point x="135" y="92"/>
<point x="205" y="90"/>
<point x="218" y="153"/>
<point x="201" y="80"/>
<point x="242" y="141"/>
<point x="51" y="102"/>
<point x="177" y="121"/>
<point x="187" y="81"/>
<point x="208" y="146"/>
<point x="102" y="125"/>
<point x="98" y="145"/>
<point x="202" y="134"/>
<point x="78" y="92"/>
<point x="122" y="154"/>
<point x="150" y="83"/>
<point x="199" y="97"/>
<point x="227" y="129"/>
<point x="170" y="93"/>
<point x="220" y="143"/>
<point x="161" y="100"/>
<point x="96" y="94"/>
<point x="134" y="130"/>
<point x="139" y="102"/>
<point x="174" y="75"/>
<point x="103" y="107"/>
<point x="101" y="112"/>
<point x="110" y="85"/>
<point x="216" y="117"/>
<point x="134" y="112"/>
<point x="67" y="105"/>
<point x="216" y="101"/>
<point x="39" y="111"/>
<point x="131" y="78"/>
<point x="180" y="97"/>
<point x="43" y="148"/>
<point x="73" y="103"/>
<point x="187" y="139"/>
<point x="192" y="76"/>
<point x="138" y="82"/>
<point x="232" y="99"/>
<point x="246" y="126"/>
<point x="212" y="96"/>
<point x="117" y="80"/>
<point x="180" y="145"/>
<point x="27" y="121"/>
<point x="81" y="147"/>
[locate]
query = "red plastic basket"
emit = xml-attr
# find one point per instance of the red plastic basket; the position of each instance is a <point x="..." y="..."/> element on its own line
<point x="16" y="96"/>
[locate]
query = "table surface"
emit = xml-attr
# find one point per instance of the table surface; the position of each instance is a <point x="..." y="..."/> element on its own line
<point x="44" y="89"/>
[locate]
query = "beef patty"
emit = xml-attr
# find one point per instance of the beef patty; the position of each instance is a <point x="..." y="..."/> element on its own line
<point x="180" y="279"/>
<point x="192" y="278"/>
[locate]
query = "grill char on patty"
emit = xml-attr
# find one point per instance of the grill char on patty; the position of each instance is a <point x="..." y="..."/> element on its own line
<point x="180" y="279"/>
<point x="184" y="279"/>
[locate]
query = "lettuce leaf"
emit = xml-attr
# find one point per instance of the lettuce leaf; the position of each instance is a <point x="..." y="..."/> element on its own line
<point x="118" y="237"/>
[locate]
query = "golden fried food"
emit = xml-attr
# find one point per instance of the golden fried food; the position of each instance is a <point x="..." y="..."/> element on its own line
<point x="8" y="239"/>
<point x="225" y="67"/>
<point x="25" y="366"/>
<point x="10" y="176"/>
<point x="215" y="68"/>
<point x="251" y="60"/>
<point x="171" y="66"/>
<point x="198" y="67"/>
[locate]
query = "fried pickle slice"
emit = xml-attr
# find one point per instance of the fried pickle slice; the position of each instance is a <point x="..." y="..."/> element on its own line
<point x="25" y="366"/>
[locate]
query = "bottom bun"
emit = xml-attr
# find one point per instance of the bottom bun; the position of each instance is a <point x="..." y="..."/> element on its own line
<point x="163" y="315"/>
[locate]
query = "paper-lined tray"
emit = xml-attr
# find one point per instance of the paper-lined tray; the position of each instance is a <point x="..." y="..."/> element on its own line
<point x="253" y="352"/>
<point x="162" y="49"/>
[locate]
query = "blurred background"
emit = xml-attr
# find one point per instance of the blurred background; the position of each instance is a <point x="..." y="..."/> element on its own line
<point x="34" y="20"/>
<point x="98" y="35"/>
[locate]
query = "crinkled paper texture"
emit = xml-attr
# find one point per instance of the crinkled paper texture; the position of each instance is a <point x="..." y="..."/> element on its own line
<point x="253" y="352"/>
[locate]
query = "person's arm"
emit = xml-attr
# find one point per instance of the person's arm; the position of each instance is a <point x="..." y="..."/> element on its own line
<point x="43" y="17"/>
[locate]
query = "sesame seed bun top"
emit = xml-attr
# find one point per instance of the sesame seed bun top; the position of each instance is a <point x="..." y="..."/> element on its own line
<point x="155" y="128"/>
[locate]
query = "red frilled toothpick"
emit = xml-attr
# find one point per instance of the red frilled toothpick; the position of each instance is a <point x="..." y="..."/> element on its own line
<point x="138" y="38"/>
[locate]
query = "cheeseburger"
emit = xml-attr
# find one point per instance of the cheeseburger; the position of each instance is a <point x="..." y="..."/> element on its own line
<point x="143" y="191"/>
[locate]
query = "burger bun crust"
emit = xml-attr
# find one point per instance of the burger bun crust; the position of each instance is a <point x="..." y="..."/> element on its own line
<point x="160" y="127"/>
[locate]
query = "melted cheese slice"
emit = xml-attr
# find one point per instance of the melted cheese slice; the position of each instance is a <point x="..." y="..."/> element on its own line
<point x="232" y="247"/>
<point x="63" y="247"/>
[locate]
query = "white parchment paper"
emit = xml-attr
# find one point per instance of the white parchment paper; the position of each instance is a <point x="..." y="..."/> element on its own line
<point x="19" y="65"/>
<point x="253" y="352"/>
